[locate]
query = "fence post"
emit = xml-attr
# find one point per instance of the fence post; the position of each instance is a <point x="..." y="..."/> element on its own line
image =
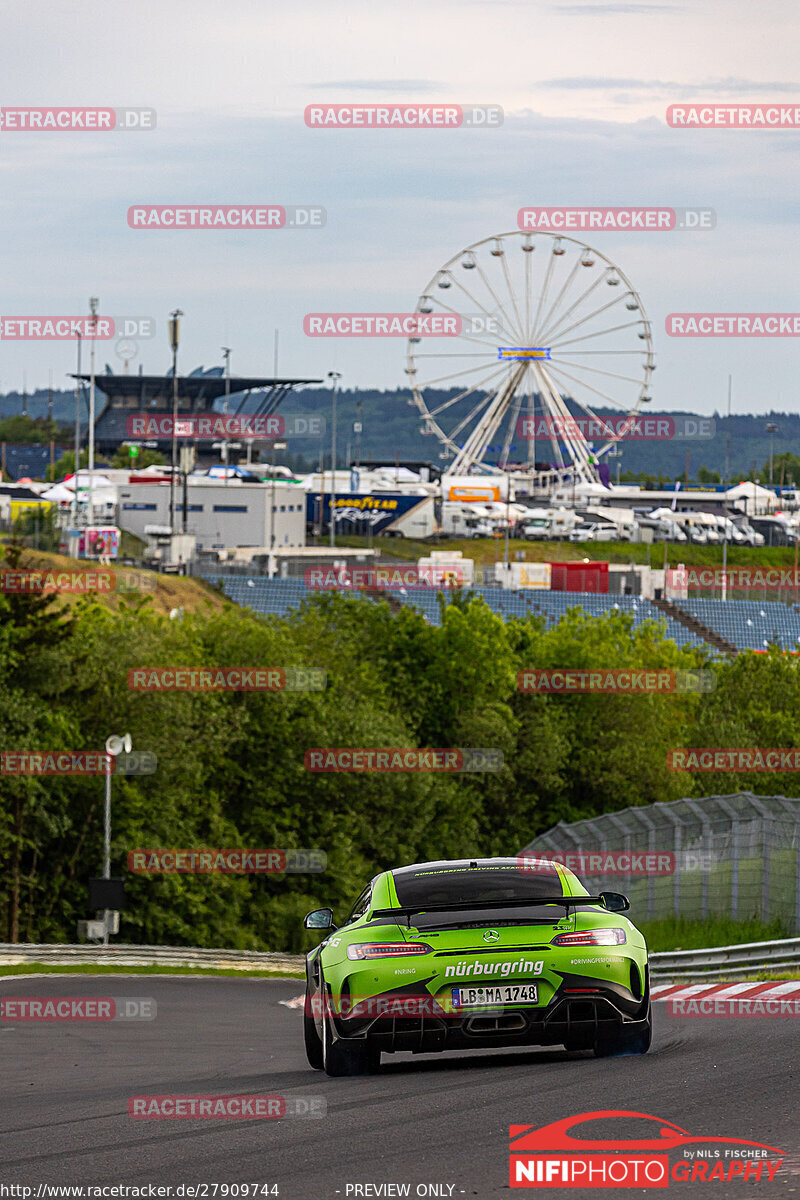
<point x="676" y="878"/>
<point x="765" y="829"/>
<point x="735" y="875"/>
<point x="705" y="868"/>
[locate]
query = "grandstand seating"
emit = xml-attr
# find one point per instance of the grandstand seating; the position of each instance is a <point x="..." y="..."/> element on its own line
<point x="263" y="595"/>
<point x="278" y="596"/>
<point x="747" y="624"/>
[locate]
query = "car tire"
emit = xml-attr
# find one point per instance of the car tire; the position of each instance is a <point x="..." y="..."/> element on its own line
<point x="313" y="1042"/>
<point x="626" y="1043"/>
<point x="340" y="1058"/>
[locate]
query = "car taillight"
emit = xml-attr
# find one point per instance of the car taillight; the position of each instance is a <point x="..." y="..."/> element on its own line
<point x="387" y="950"/>
<point x="591" y="937"/>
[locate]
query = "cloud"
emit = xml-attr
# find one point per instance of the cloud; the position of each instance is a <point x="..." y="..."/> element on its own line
<point x="718" y="86"/>
<point x="379" y="85"/>
<point x="579" y="10"/>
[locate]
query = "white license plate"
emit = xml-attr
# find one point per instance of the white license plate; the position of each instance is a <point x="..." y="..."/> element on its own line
<point x="504" y="993"/>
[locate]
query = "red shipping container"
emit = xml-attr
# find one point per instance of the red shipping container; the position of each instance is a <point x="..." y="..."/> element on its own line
<point x="579" y="577"/>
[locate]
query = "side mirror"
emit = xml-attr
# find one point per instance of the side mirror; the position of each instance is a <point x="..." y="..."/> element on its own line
<point x="320" y="918"/>
<point x="615" y="901"/>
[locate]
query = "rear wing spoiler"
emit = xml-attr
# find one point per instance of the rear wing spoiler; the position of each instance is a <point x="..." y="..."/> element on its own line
<point x="568" y="902"/>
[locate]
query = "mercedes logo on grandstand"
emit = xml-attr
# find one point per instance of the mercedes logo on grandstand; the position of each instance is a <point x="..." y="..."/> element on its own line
<point x="491" y="935"/>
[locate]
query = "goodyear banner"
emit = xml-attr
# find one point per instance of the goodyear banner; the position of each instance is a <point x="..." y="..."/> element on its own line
<point x="358" y="512"/>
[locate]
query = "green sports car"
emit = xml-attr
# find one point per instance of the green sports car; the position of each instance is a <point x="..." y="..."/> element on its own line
<point x="475" y="953"/>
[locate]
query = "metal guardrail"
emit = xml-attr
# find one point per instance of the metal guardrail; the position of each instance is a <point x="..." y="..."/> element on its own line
<point x="718" y="962"/>
<point x="146" y="956"/>
<point x="725" y="962"/>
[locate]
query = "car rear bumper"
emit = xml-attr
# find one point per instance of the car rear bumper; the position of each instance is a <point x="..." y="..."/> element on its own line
<point x="574" y="1021"/>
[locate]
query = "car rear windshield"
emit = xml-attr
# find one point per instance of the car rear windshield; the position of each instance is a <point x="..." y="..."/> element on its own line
<point x="457" y="885"/>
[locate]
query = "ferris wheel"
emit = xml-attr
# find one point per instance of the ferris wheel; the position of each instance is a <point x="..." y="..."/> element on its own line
<point x="551" y="363"/>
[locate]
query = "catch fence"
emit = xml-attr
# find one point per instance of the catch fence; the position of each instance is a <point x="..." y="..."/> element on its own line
<point x="734" y="856"/>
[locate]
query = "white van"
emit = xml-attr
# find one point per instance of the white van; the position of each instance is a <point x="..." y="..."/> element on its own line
<point x="540" y="524"/>
<point x="466" y="521"/>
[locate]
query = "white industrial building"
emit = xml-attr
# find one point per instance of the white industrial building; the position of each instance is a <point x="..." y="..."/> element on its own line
<point x="221" y="514"/>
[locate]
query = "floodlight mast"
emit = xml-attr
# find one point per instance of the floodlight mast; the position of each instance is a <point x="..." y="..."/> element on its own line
<point x="93" y="303"/>
<point x="77" y="437"/>
<point x="335" y="376"/>
<point x="226" y="354"/>
<point x="174" y="340"/>
<point x="114" y="746"/>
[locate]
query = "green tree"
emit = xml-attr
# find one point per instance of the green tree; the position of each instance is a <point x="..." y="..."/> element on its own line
<point x="145" y="458"/>
<point x="37" y="527"/>
<point x="232" y="769"/>
<point x="31" y="429"/>
<point x="786" y="465"/>
<point x="66" y="465"/>
<point x="34" y="641"/>
<point x="756" y="704"/>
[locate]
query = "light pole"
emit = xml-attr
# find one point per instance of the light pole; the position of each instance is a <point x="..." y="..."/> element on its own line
<point x="771" y="430"/>
<point x="226" y="354"/>
<point x="93" y="303"/>
<point x="725" y="495"/>
<point x="507" y="553"/>
<point x="77" y="437"/>
<point x="275" y="446"/>
<point x="174" y="340"/>
<point x="335" y="376"/>
<point x="616" y="454"/>
<point x="114" y="746"/>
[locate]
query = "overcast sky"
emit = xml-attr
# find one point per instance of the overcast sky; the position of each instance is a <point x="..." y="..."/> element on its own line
<point x="584" y="87"/>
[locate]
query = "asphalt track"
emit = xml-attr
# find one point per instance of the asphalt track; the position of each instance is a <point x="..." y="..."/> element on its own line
<point x="442" y="1120"/>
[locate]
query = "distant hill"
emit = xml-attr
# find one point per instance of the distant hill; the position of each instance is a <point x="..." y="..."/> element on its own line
<point x="391" y="430"/>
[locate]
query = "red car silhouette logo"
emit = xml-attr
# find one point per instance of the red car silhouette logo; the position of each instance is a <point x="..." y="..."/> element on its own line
<point x="558" y="1136"/>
